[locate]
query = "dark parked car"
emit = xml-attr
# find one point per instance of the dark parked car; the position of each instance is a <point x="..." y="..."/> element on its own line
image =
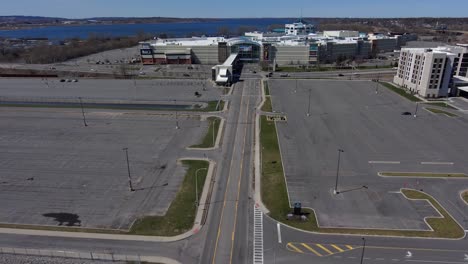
<point x="340" y="74"/>
<point x="186" y="75"/>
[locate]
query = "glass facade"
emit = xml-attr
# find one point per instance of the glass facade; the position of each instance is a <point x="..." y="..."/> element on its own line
<point x="247" y="51"/>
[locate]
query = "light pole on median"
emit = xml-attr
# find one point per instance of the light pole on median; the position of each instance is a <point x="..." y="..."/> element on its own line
<point x="416" y="111"/>
<point x="176" y="117"/>
<point x="82" y="112"/>
<point x="196" y="185"/>
<point x="308" y="108"/>
<point x="128" y="169"/>
<point x="335" y="191"/>
<point x="363" y="249"/>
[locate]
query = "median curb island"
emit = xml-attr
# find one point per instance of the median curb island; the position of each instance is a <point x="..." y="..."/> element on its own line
<point x="257" y="159"/>
<point x="219" y="135"/>
<point x="195" y="229"/>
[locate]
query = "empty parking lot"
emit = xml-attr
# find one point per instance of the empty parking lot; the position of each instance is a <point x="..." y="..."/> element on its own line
<point x="53" y="168"/>
<point x="374" y="135"/>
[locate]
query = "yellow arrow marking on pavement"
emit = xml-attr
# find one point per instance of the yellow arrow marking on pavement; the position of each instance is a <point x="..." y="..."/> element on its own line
<point x="324" y="249"/>
<point x="311" y="249"/>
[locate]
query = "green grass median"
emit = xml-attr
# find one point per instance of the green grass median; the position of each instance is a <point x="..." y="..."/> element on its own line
<point x="439" y="111"/>
<point x="441" y="104"/>
<point x="209" y="140"/>
<point x="267" y="89"/>
<point x="401" y="92"/>
<point x="267" y="106"/>
<point x="275" y="197"/>
<point x="181" y="214"/>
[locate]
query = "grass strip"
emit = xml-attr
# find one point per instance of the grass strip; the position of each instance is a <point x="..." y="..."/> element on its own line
<point x="401" y="92"/>
<point x="439" y="111"/>
<point x="212" y="106"/>
<point x="275" y="197"/>
<point x="423" y="174"/>
<point x="441" y="104"/>
<point x="267" y="90"/>
<point x="267" y="106"/>
<point x="443" y="227"/>
<point x="210" y="137"/>
<point x="181" y="214"/>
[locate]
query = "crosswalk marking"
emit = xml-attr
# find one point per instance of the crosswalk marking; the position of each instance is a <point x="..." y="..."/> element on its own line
<point x="324" y="249"/>
<point x="337" y="248"/>
<point x="258" y="236"/>
<point x="311" y="249"/>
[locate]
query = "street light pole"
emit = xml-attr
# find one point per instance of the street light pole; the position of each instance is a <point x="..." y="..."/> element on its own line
<point x="176" y="117"/>
<point x="363" y="249"/>
<point x="335" y="191"/>
<point x="214" y="124"/>
<point x="308" y="108"/>
<point x="82" y="112"/>
<point x="128" y="169"/>
<point x="416" y="111"/>
<point x="196" y="185"/>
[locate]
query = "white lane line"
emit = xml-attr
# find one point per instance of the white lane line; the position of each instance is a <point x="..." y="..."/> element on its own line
<point x="436" y="163"/>
<point x="279" y="232"/>
<point x="383" y="162"/>
<point x="435" y="261"/>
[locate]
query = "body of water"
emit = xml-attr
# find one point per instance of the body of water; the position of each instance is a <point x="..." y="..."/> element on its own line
<point x="172" y="29"/>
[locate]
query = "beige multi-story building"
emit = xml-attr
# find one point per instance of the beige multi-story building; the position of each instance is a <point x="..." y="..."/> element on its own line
<point x="429" y="72"/>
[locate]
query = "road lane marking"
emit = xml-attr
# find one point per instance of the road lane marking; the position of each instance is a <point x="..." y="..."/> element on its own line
<point x="337" y="248"/>
<point x="436" y="163"/>
<point x="349" y="247"/>
<point x="383" y="162"/>
<point x="311" y="249"/>
<point x="278" y="227"/>
<point x="240" y="175"/>
<point x="324" y="249"/>
<point x="435" y="261"/>
<point x="294" y="248"/>
<point x="258" y="236"/>
<point x="225" y="193"/>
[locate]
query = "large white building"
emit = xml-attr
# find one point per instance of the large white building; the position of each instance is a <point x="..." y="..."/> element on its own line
<point x="429" y="72"/>
<point x="299" y="28"/>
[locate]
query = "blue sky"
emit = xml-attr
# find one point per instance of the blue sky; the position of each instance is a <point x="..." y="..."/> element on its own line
<point x="236" y="8"/>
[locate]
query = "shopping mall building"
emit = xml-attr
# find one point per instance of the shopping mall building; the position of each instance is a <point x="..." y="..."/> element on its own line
<point x="293" y="47"/>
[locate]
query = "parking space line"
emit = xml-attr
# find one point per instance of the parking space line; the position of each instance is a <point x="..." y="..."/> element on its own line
<point x="324" y="248"/>
<point x="311" y="249"/>
<point x="337" y="248"/>
<point x="383" y="162"/>
<point x="436" y="163"/>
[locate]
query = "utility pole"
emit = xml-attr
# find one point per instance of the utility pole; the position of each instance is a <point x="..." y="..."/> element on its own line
<point x="308" y="108"/>
<point x="82" y="112"/>
<point x="335" y="191"/>
<point x="128" y="169"/>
